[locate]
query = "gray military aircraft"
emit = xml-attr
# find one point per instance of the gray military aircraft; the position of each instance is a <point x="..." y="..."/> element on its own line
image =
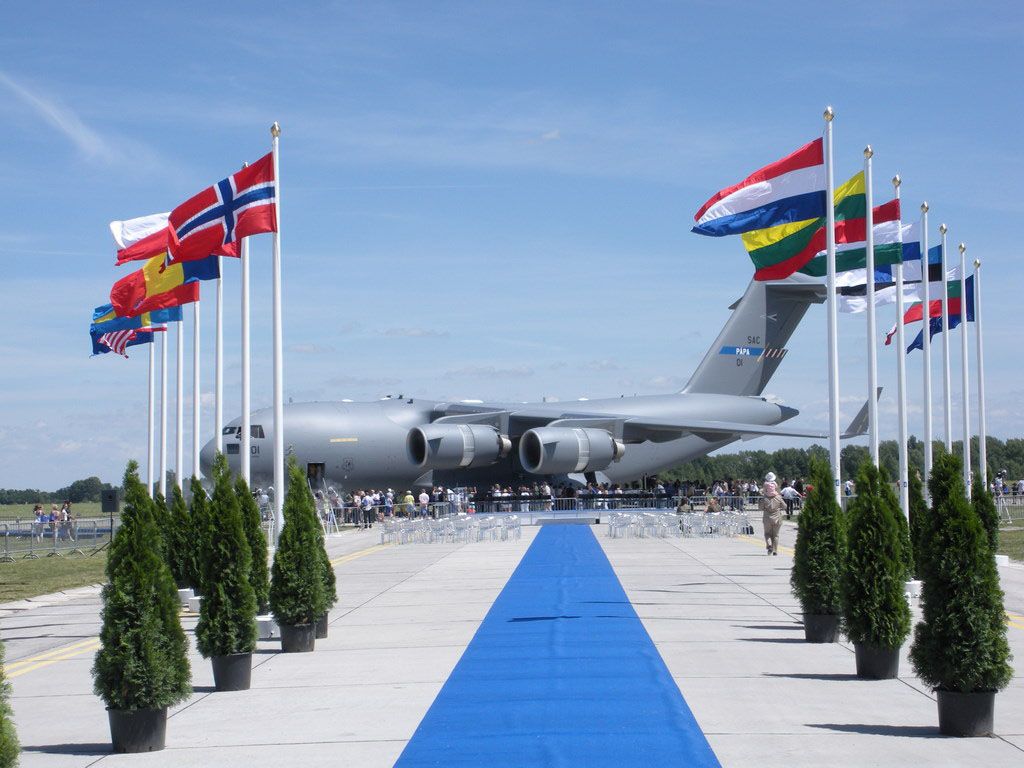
<point x="402" y="442"/>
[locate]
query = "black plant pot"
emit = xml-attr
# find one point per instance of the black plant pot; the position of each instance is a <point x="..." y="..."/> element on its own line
<point x="321" y="627"/>
<point x="298" y="638"/>
<point x="821" y="628"/>
<point x="877" y="663"/>
<point x="232" y="672"/>
<point x="966" y="714"/>
<point x="137" y="730"/>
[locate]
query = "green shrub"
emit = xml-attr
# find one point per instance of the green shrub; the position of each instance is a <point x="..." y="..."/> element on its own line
<point x="162" y="518"/>
<point x="918" y="519"/>
<point x="875" y="610"/>
<point x="961" y="644"/>
<point x="142" y="662"/>
<point x="985" y="509"/>
<point x="179" y="542"/>
<point x="820" y="547"/>
<point x="297" y="579"/>
<point x="259" y="574"/>
<point x="227" y="617"/>
<point x="200" y="524"/>
<point x="327" y="571"/>
<point x="8" y="736"/>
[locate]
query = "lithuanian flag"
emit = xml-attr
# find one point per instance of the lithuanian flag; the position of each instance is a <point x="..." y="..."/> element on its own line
<point x="778" y="252"/>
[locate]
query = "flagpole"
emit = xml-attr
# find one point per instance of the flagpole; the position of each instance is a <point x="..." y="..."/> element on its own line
<point x="869" y="244"/>
<point x="275" y="132"/>
<point x="246" y="428"/>
<point x="926" y="348"/>
<point x="196" y="394"/>
<point x="149" y="421"/>
<point x="947" y="395"/>
<point x="965" y="382"/>
<point x="218" y="363"/>
<point x="179" y="408"/>
<point x="162" y="482"/>
<point x="901" y="378"/>
<point x="982" y="427"/>
<point x="833" y="341"/>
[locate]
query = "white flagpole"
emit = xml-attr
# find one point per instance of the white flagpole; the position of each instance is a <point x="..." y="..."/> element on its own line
<point x="279" y="490"/>
<point x="833" y="341"/>
<point x="162" y="483"/>
<point x="947" y="395"/>
<point x="982" y="427"/>
<point x="179" y="408"/>
<point x="869" y="244"/>
<point x="196" y="387"/>
<point x="965" y="382"/>
<point x="149" y="421"/>
<point x="901" y="378"/>
<point x="926" y="348"/>
<point x="218" y="363"/>
<point x="246" y="438"/>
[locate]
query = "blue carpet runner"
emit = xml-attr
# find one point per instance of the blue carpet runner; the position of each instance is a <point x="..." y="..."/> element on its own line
<point x="560" y="673"/>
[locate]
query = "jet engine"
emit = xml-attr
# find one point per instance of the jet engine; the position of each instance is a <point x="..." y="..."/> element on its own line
<point x="456" y="446"/>
<point x="559" y="450"/>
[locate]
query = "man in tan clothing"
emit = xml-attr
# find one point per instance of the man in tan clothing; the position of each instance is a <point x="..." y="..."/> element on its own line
<point x="772" y="506"/>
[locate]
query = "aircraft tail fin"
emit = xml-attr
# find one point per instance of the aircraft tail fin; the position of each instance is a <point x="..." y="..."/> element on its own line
<point x="753" y="342"/>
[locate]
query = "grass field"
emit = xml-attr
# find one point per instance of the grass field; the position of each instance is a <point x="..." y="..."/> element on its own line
<point x="12" y="512"/>
<point x="28" y="578"/>
<point x="1012" y="543"/>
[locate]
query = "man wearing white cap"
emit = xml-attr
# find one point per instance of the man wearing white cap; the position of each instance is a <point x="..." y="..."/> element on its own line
<point x="771" y="508"/>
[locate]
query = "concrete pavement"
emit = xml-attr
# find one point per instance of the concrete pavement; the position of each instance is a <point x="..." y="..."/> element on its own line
<point x="719" y="611"/>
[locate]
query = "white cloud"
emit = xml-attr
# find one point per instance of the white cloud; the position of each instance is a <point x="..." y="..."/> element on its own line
<point x="489" y="371"/>
<point x="412" y="333"/>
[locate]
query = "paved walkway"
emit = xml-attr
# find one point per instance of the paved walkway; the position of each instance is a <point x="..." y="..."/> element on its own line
<point x="718" y="610"/>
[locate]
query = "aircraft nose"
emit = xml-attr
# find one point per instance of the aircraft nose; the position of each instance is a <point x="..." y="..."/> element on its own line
<point x="206" y="457"/>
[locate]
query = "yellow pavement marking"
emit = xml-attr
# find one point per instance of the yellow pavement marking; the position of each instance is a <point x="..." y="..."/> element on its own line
<point x="24" y="666"/>
<point x="357" y="555"/>
<point x="1014" y="620"/>
<point x="783" y="549"/>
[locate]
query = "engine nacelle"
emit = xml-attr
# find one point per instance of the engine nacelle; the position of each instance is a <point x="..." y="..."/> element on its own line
<point x="560" y="450"/>
<point x="456" y="446"/>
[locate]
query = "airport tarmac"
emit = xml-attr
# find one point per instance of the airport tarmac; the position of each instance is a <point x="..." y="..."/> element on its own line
<point x="718" y="610"/>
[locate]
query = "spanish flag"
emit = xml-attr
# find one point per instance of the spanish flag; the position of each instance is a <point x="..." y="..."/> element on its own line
<point x="159" y="286"/>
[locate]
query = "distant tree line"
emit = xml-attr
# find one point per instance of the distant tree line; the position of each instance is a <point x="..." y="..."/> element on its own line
<point x="77" y="492"/>
<point x="791" y="463"/>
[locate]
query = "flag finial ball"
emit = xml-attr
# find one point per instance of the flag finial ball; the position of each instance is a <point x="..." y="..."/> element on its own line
<point x="924" y="207"/>
<point x="896" y="180"/>
<point x="977" y="263"/>
<point x="943" y="229"/>
<point x="828" y="114"/>
<point x="275" y="129"/>
<point x="962" y="247"/>
<point x="868" y="152"/>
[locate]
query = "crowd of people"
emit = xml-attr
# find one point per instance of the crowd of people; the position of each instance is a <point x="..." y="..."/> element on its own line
<point x="59" y="521"/>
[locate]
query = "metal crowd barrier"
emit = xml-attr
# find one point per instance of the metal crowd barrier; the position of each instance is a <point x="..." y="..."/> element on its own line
<point x="32" y="540"/>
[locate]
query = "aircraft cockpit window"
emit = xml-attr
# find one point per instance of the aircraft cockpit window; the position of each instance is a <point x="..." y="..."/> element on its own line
<point x="256" y="430"/>
<point x="231" y="430"/>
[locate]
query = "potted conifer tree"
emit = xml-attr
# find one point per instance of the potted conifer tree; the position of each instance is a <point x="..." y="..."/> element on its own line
<point x="876" y="616"/>
<point x="296" y="579"/>
<point x="8" y="736"/>
<point x="330" y="587"/>
<point x="985" y="508"/>
<point x="142" y="667"/>
<point x="179" y="538"/>
<point x="200" y="524"/>
<point x="818" y="558"/>
<point x="259" y="574"/>
<point x="226" y="632"/>
<point x="960" y="648"/>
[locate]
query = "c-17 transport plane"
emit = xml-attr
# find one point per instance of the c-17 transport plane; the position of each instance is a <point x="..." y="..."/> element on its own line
<point x="403" y="442"/>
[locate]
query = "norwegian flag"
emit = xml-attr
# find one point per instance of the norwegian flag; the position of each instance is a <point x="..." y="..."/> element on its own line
<point x="243" y="204"/>
<point x="117" y="341"/>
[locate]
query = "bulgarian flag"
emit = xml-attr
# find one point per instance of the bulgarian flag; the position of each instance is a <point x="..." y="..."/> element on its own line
<point x="953" y="295"/>
<point x="778" y="252"/>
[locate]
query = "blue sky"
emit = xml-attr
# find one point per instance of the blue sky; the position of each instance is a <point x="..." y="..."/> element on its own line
<point x="479" y="199"/>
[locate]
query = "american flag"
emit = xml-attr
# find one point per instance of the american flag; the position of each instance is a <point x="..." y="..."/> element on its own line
<point x="118" y="341"/>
